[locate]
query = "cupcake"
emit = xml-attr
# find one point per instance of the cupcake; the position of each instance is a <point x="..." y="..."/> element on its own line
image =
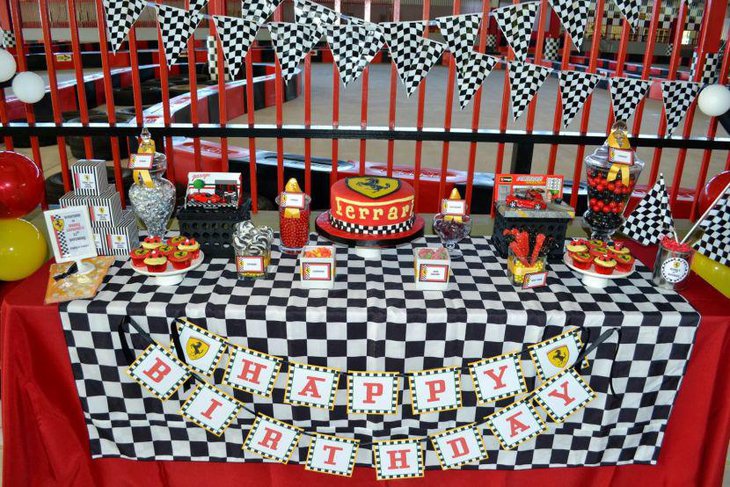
<point x="180" y="259"/>
<point x="582" y="260"/>
<point x="618" y="248"/>
<point x="577" y="245"/>
<point x="156" y="262"/>
<point x="624" y="262"/>
<point x="597" y="251"/>
<point x="138" y="256"/>
<point x="152" y="243"/>
<point x="166" y="250"/>
<point x="175" y="241"/>
<point x="190" y="246"/>
<point x="596" y="243"/>
<point x="604" y="264"/>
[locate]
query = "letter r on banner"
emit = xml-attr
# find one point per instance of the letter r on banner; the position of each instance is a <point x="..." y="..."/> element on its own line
<point x="272" y="438"/>
<point x="435" y="390"/>
<point x="159" y="371"/>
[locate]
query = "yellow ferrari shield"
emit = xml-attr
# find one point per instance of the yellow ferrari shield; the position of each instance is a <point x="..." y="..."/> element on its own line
<point x="196" y="348"/>
<point x="373" y="187"/>
<point x="559" y="356"/>
<point x="58" y="224"/>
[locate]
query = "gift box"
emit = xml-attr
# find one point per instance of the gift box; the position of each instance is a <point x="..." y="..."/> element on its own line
<point x="89" y="177"/>
<point x="317" y="267"/>
<point x="432" y="267"/>
<point x="120" y="239"/>
<point x="105" y="209"/>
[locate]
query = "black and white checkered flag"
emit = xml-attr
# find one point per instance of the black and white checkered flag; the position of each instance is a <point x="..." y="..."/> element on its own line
<point x="461" y="33"/>
<point x="315" y="15"/>
<point x="353" y="47"/>
<point x="236" y="35"/>
<point x="413" y="54"/>
<point x="631" y="9"/>
<point x="7" y="39"/>
<point x="652" y="218"/>
<point x="678" y="96"/>
<point x="258" y="11"/>
<point x="176" y="26"/>
<point x="573" y="14"/>
<point x="292" y="42"/>
<point x="575" y="87"/>
<point x="626" y="94"/>
<point x="425" y="58"/>
<point x="476" y="69"/>
<point x="524" y="81"/>
<point x="516" y="22"/>
<point x="715" y="242"/>
<point x="197" y="5"/>
<point x="120" y="16"/>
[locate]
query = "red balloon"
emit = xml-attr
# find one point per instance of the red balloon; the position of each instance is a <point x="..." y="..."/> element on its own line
<point x="21" y="185"/>
<point x="712" y="190"/>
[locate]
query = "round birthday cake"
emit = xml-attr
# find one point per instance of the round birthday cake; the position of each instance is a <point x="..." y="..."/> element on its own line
<point x="372" y="205"/>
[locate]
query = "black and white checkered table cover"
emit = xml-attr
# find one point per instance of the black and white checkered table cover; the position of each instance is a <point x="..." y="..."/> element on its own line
<point x="375" y="319"/>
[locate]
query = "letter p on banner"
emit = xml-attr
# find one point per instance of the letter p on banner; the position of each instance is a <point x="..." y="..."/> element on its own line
<point x="398" y="459"/>
<point x="332" y="454"/>
<point x="159" y="371"/>
<point x="459" y="446"/>
<point x="435" y="390"/>
<point x="272" y="439"/>
<point x="372" y="392"/>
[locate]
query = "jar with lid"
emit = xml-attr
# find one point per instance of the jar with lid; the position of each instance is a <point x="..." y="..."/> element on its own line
<point x="152" y="196"/>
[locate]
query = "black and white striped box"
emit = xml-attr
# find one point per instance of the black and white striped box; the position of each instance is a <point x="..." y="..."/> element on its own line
<point x="118" y="240"/>
<point x="89" y="177"/>
<point x="105" y="209"/>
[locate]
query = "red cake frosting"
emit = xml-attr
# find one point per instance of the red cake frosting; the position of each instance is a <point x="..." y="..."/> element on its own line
<point x="372" y="205"/>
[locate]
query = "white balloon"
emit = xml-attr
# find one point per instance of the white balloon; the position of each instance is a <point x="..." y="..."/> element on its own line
<point x="714" y="100"/>
<point x="7" y="66"/>
<point x="29" y="87"/>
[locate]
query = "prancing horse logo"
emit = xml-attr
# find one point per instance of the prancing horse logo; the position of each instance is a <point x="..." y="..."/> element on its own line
<point x="559" y="356"/>
<point x="373" y="187"/>
<point x="196" y="348"/>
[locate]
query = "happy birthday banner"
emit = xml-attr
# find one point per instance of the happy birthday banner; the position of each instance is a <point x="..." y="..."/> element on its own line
<point x="563" y="392"/>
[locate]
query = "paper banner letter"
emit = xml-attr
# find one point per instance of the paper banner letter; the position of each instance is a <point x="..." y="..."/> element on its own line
<point x="435" y="390"/>
<point x="211" y="409"/>
<point x="272" y="438"/>
<point x="515" y="424"/>
<point x="159" y="371"/>
<point x="201" y="348"/>
<point x="556" y="354"/>
<point x="311" y="385"/>
<point x="497" y="377"/>
<point x="252" y="371"/>
<point x="564" y="394"/>
<point x="459" y="446"/>
<point x="398" y="459"/>
<point x="332" y="454"/>
<point x="372" y="392"/>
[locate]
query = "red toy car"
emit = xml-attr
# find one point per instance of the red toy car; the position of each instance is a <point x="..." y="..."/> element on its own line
<point x="530" y="199"/>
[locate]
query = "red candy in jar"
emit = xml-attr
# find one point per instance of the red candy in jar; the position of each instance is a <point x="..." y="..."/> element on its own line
<point x="293" y="217"/>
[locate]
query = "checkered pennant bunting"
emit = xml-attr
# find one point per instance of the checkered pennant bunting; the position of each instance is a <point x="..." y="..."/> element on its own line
<point x="7" y="39"/>
<point x="524" y="81"/>
<point x="413" y="54"/>
<point x="575" y="87"/>
<point x="353" y="47"/>
<point x="236" y="35"/>
<point x="176" y="26"/>
<point x="475" y="70"/>
<point x="197" y="5"/>
<point x="652" y="218"/>
<point x="424" y="59"/>
<point x="315" y="15"/>
<point x="292" y="42"/>
<point x="120" y="16"/>
<point x="631" y="10"/>
<point x="257" y="11"/>
<point x="573" y="14"/>
<point x="677" y="96"/>
<point x="461" y="34"/>
<point x="715" y="242"/>
<point x="516" y="22"/>
<point x="711" y="68"/>
<point x="626" y="93"/>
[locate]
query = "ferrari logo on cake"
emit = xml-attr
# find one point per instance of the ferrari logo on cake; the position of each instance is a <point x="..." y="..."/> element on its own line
<point x="196" y="349"/>
<point x="559" y="356"/>
<point x="58" y="224"/>
<point x="373" y="187"/>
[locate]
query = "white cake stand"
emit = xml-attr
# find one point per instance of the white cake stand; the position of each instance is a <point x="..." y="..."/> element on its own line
<point x="594" y="279"/>
<point x="170" y="277"/>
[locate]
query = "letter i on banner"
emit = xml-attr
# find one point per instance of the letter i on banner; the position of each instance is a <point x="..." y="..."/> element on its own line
<point x="210" y="408"/>
<point x="497" y="377"/>
<point x="372" y="392"/>
<point x="272" y="439"/>
<point x="311" y="385"/>
<point x="398" y="459"/>
<point x="203" y="349"/>
<point x="159" y="371"/>
<point x="564" y="394"/>
<point x="459" y="446"/>
<point x="251" y="371"/>
<point x="435" y="390"/>
<point x="515" y="424"/>
<point x="332" y="454"/>
<point x="557" y="353"/>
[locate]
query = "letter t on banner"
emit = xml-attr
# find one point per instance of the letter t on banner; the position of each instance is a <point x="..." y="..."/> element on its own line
<point x="332" y="454"/>
<point x="435" y="390"/>
<point x="311" y="385"/>
<point x="372" y="392"/>
<point x="398" y="459"/>
<point x="272" y="438"/>
<point x="159" y="371"/>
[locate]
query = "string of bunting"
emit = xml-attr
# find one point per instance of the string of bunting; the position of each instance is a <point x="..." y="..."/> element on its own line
<point x="562" y="393"/>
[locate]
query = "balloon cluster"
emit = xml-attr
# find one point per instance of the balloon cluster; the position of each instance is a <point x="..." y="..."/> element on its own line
<point x="22" y="247"/>
<point x="27" y="86"/>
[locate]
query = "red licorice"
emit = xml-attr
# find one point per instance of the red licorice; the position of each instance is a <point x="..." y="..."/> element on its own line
<point x="670" y="243"/>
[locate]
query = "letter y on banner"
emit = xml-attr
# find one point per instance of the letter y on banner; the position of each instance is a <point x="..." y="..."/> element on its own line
<point x="159" y="371"/>
<point x="311" y="385"/>
<point x="564" y="394"/>
<point x="497" y="377"/>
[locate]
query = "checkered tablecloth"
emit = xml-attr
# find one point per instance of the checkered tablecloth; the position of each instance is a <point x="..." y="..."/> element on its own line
<point x="375" y="319"/>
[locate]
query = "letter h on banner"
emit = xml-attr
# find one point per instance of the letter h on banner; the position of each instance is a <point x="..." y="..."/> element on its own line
<point x="251" y="371"/>
<point x="398" y="459"/>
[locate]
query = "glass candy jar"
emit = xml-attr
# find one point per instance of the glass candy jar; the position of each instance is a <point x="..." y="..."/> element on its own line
<point x="452" y="230"/>
<point x="253" y="250"/>
<point x="293" y="223"/>
<point x="517" y="269"/>
<point x="153" y="201"/>
<point x="672" y="264"/>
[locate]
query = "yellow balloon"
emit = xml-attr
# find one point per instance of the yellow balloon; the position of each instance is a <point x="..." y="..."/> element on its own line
<point x="23" y="249"/>
<point x="716" y="275"/>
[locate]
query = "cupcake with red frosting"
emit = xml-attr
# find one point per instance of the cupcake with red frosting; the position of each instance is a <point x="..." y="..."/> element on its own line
<point x="180" y="259"/>
<point x="624" y="262"/>
<point x="156" y="262"/>
<point x="175" y="241"/>
<point x="577" y="245"/>
<point x="138" y="256"/>
<point x="166" y="250"/>
<point x="604" y="264"/>
<point x="151" y="242"/>
<point x="190" y="246"/>
<point x="618" y="248"/>
<point x="582" y="260"/>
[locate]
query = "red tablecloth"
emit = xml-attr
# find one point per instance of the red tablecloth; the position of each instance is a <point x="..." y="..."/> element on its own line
<point x="45" y="439"/>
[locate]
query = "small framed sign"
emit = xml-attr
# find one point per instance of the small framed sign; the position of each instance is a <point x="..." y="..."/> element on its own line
<point x="453" y="207"/>
<point x="621" y="156"/>
<point x="141" y="161"/>
<point x="292" y="200"/>
<point x="72" y="237"/>
<point x="536" y="279"/>
<point x="250" y="264"/>
<point x="433" y="273"/>
<point x="316" y="271"/>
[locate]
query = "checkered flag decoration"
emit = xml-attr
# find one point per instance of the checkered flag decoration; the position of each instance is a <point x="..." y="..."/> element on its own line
<point x="461" y="34"/>
<point x="197" y="5"/>
<point x="575" y="88"/>
<point x="715" y="242"/>
<point x="236" y="35"/>
<point x="376" y="44"/>
<point x="652" y="218"/>
<point x="631" y="10"/>
<point x="7" y="38"/>
<point x="573" y="14"/>
<point x="315" y="15"/>
<point x="678" y="96"/>
<point x="176" y="26"/>
<point x="292" y="42"/>
<point x="258" y="11"/>
<point x="472" y="76"/>
<point x="413" y="54"/>
<point x="120" y="16"/>
<point x="353" y="47"/>
<point x="516" y="22"/>
<point x="626" y="94"/>
<point x="524" y="81"/>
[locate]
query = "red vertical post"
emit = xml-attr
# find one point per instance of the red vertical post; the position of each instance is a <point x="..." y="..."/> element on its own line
<point x="364" y="96"/>
<point x="308" y="123"/>
<point x="393" y="93"/>
<point x="558" y="112"/>
<point x="250" y="109"/>
<point x="447" y="111"/>
<point x="192" y="76"/>
<point x="336" y="106"/>
<point x="620" y="60"/>
<point x="420" y="114"/>
<point x="218" y="7"/>
<point x="136" y="84"/>
<point x="505" y="108"/>
<point x="79" y="72"/>
<point x="648" y="60"/>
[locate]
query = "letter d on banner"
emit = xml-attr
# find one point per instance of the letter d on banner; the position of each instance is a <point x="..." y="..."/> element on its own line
<point x="459" y="446"/>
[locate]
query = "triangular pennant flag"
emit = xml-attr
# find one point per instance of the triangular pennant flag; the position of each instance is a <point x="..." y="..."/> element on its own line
<point x="715" y="210"/>
<point x="413" y="54"/>
<point x="7" y="39"/>
<point x="461" y="34"/>
<point x="315" y="15"/>
<point x="631" y="10"/>
<point x="652" y="218"/>
<point x="350" y="44"/>
<point x="176" y="26"/>
<point x="292" y="42"/>
<point x="197" y="5"/>
<point x="516" y="22"/>
<point x="626" y="94"/>
<point x="472" y="76"/>
<point x="427" y="55"/>
<point x="120" y="16"/>
<point x="677" y="96"/>
<point x="236" y="35"/>
<point x="575" y="87"/>
<point x="524" y="81"/>
<point x="573" y="14"/>
<point x="715" y="242"/>
<point x="377" y="41"/>
<point x="257" y="11"/>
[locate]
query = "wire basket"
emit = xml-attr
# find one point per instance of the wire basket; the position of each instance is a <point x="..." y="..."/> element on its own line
<point x="552" y="224"/>
<point x="213" y="228"/>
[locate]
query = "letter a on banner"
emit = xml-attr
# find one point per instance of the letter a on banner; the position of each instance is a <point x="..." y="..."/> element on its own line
<point x="311" y="385"/>
<point x="497" y="377"/>
<point x="556" y="354"/>
<point x="564" y="394"/>
<point x="435" y="390"/>
<point x="515" y="424"/>
<point x="272" y="439"/>
<point x="372" y="392"/>
<point x="211" y="409"/>
<point x="398" y="459"/>
<point x="459" y="446"/>
<point x="251" y="371"/>
<point x="159" y="371"/>
<point x="332" y="454"/>
<point x="203" y="349"/>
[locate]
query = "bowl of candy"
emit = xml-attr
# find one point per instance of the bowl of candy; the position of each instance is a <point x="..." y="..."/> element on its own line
<point x="527" y="254"/>
<point x="317" y="267"/>
<point x="252" y="245"/>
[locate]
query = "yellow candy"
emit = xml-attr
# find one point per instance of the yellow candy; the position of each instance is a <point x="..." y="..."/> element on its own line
<point x="455" y="195"/>
<point x="292" y="186"/>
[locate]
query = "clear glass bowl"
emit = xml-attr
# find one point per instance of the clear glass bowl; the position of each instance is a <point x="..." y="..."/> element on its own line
<point x="452" y="230"/>
<point x="154" y="204"/>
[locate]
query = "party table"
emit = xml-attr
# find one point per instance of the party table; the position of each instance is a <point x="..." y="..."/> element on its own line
<point x="374" y="319"/>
